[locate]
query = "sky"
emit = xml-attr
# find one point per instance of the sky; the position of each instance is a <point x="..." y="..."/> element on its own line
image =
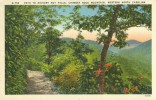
<point x="140" y="34"/>
<point x="135" y="33"/>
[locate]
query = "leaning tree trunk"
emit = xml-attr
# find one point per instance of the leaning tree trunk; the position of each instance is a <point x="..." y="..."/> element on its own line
<point x="112" y="28"/>
<point x="103" y="61"/>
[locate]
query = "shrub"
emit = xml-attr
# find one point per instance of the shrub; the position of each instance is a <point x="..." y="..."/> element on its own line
<point x="114" y="82"/>
<point x="117" y="85"/>
<point x="88" y="83"/>
<point x="16" y="84"/>
<point x="32" y="64"/>
<point x="68" y="79"/>
<point x="35" y="65"/>
<point x="138" y="86"/>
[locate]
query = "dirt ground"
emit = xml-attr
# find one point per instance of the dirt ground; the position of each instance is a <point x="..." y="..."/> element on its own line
<point x="39" y="84"/>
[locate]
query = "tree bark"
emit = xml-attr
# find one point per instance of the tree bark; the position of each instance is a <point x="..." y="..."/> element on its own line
<point x="103" y="61"/>
<point x="112" y="28"/>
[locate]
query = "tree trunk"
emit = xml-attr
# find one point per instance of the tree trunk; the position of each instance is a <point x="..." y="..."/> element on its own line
<point x="105" y="49"/>
<point x="103" y="61"/>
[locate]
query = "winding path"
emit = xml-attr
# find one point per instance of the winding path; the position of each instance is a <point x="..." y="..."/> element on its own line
<point x="39" y="84"/>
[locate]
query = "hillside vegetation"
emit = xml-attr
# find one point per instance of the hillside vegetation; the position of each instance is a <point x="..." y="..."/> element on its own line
<point x="34" y="47"/>
<point x="130" y="44"/>
<point x="129" y="58"/>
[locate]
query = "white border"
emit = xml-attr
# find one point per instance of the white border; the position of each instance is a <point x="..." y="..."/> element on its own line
<point x="71" y="97"/>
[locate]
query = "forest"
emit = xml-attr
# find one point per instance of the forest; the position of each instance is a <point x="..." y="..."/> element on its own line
<point x="33" y="41"/>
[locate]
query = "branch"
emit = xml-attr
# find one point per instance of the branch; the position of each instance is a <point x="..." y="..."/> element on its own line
<point x="128" y="26"/>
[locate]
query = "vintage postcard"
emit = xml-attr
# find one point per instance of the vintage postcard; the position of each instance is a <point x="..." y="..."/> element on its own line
<point x="77" y="49"/>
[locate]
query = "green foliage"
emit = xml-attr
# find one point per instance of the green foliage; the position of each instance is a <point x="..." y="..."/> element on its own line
<point x="32" y="39"/>
<point x="16" y="84"/>
<point x="80" y="48"/>
<point x="132" y="67"/>
<point x="50" y="35"/>
<point x="83" y="79"/>
<point x="88" y="83"/>
<point x="116" y="76"/>
<point x="60" y="61"/>
<point x="16" y="38"/>
<point x="52" y="41"/>
<point x="117" y="85"/>
<point x="23" y="29"/>
<point x="68" y="79"/>
<point x="138" y="86"/>
<point x="114" y="82"/>
<point x="36" y="51"/>
<point x="35" y="65"/>
<point x="128" y="16"/>
<point x="113" y="19"/>
<point x="139" y="54"/>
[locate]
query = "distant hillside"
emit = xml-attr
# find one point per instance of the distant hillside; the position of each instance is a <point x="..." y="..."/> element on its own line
<point x="89" y="42"/>
<point x="66" y="39"/>
<point x="136" y="61"/>
<point x="131" y="44"/>
<point x="129" y="64"/>
<point x="141" y="53"/>
<point x="137" y="51"/>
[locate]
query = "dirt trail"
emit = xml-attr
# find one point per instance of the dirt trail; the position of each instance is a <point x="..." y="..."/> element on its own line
<point x="39" y="84"/>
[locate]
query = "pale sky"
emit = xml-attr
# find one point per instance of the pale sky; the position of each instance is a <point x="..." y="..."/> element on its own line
<point x="139" y="33"/>
<point x="135" y="33"/>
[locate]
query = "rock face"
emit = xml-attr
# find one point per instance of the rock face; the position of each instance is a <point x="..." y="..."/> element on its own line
<point x="39" y="84"/>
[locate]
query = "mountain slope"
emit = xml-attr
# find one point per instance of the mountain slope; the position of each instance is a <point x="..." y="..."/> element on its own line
<point x="141" y="53"/>
<point x="129" y="65"/>
<point x="89" y="42"/>
<point x="131" y="44"/>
